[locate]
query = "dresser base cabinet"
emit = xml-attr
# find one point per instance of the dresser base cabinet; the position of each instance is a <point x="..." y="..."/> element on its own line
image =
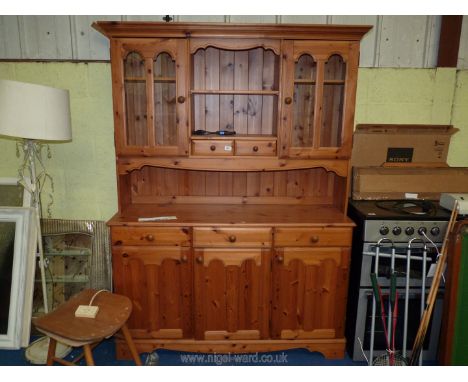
<point x="235" y="289"/>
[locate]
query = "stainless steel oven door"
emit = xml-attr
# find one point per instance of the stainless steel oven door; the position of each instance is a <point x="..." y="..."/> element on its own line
<point x="364" y="318"/>
<point x="368" y="261"/>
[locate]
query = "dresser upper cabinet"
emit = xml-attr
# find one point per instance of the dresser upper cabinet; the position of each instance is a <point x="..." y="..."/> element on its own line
<point x="151" y="104"/>
<point x="185" y="89"/>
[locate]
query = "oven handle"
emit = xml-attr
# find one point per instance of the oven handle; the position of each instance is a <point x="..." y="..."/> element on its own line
<point x="404" y="257"/>
<point x="369" y="293"/>
<point x="413" y="294"/>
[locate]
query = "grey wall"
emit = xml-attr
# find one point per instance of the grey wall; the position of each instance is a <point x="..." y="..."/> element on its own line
<point x="395" y="41"/>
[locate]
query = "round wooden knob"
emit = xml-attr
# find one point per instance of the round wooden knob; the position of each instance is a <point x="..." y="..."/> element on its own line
<point x="149" y="237"/>
<point x="124" y="254"/>
<point x="181" y="99"/>
<point x="199" y="260"/>
<point x="314" y="239"/>
<point x="255" y="148"/>
<point x="288" y="100"/>
<point x="212" y="147"/>
<point x="280" y="259"/>
<point x="232" y="239"/>
<point x="183" y="258"/>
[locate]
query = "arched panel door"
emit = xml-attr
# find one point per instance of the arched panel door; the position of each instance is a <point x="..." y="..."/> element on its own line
<point x="319" y="86"/>
<point x="158" y="281"/>
<point x="231" y="293"/>
<point x="150" y="112"/>
<point x="309" y="293"/>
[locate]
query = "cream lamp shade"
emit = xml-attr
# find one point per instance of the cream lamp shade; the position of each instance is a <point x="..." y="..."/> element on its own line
<point x="34" y="111"/>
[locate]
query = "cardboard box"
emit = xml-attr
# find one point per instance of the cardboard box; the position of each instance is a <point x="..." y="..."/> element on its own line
<point x="376" y="183"/>
<point x="373" y="145"/>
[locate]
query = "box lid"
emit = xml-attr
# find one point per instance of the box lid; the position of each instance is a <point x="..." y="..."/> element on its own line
<point x="405" y="129"/>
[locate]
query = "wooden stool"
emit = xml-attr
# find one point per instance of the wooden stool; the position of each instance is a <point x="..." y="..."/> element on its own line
<point x="62" y="325"/>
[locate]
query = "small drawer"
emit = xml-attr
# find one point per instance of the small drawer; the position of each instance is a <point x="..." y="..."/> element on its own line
<point x="169" y="236"/>
<point x="256" y="148"/>
<point x="231" y="237"/>
<point x="306" y="237"/>
<point x="212" y="147"/>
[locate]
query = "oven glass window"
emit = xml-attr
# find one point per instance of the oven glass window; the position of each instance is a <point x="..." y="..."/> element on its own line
<point x="414" y="312"/>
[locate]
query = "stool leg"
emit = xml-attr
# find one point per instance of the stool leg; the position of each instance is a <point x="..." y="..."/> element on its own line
<point x="131" y="344"/>
<point x="88" y="355"/>
<point x="51" y="351"/>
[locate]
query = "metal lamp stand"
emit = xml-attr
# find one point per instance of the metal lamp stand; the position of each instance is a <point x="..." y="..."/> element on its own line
<point x="37" y="351"/>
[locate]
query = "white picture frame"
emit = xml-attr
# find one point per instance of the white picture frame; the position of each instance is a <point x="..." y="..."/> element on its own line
<point x="15" y="182"/>
<point x="22" y="276"/>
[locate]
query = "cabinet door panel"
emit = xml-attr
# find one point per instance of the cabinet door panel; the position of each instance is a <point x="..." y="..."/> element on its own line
<point x="309" y="292"/>
<point x="231" y="288"/>
<point x="158" y="281"/>
<point x="319" y="86"/>
<point x="151" y="108"/>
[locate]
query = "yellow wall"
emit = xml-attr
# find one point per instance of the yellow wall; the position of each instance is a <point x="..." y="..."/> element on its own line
<point x="84" y="169"/>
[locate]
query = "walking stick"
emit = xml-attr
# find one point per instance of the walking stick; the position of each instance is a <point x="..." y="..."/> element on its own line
<point x="431" y="298"/>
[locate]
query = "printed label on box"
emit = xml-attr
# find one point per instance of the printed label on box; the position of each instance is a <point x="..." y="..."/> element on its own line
<point x="400" y="154"/>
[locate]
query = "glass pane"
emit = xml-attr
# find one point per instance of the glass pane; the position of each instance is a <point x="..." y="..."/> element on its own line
<point x="165" y="121"/>
<point x="7" y="248"/>
<point x="306" y="68"/>
<point x="335" y="68"/>
<point x="304" y="102"/>
<point x="333" y="98"/>
<point x="135" y="100"/>
<point x="332" y="115"/>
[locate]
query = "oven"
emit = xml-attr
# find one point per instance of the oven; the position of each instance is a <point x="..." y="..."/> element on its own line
<point x="372" y="225"/>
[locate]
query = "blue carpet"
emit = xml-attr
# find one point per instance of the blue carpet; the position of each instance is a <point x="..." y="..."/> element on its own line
<point x="104" y="355"/>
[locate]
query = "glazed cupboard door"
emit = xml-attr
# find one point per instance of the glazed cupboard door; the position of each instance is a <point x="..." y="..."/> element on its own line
<point x="309" y="293"/>
<point x="158" y="280"/>
<point x="231" y="294"/>
<point x="319" y="86"/>
<point x="150" y="92"/>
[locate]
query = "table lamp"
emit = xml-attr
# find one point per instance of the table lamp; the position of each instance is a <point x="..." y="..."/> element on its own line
<point x="35" y="114"/>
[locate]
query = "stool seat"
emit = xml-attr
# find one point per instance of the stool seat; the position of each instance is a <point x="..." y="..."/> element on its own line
<point x="62" y="325"/>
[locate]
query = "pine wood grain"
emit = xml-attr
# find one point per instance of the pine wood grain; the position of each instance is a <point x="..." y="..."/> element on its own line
<point x="160" y="308"/>
<point x="252" y="215"/>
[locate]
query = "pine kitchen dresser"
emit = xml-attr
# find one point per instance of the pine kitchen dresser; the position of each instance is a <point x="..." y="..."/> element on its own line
<point x="257" y="258"/>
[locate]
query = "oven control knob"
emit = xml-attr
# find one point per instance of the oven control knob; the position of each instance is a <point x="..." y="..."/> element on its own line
<point x="422" y="230"/>
<point x="435" y="231"/>
<point x="409" y="231"/>
<point x="384" y="230"/>
<point x="396" y="231"/>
